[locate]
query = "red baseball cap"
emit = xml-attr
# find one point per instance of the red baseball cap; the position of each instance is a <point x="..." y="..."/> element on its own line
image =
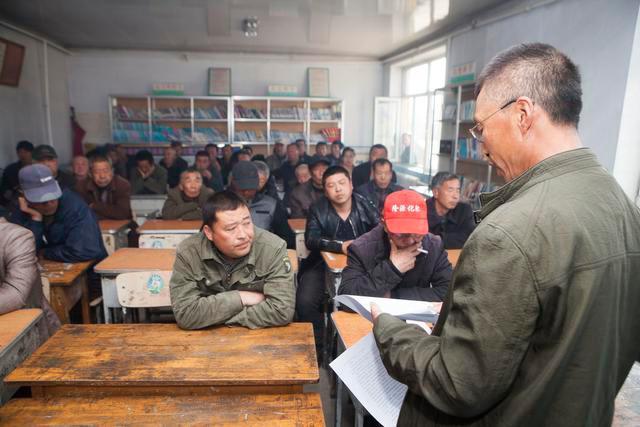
<point x="405" y="212"/>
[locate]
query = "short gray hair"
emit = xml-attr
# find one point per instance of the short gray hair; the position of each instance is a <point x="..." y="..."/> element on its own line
<point x="263" y="168"/>
<point x="540" y="72"/>
<point x="442" y="177"/>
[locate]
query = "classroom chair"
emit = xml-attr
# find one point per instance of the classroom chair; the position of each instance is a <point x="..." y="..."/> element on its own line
<point x="143" y="289"/>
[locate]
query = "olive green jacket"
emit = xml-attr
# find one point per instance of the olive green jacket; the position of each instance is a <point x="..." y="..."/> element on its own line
<point x="543" y="323"/>
<point x="204" y="294"/>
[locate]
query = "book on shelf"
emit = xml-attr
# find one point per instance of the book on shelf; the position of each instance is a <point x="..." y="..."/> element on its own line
<point x="449" y="112"/>
<point x="286" y="136"/>
<point x="212" y="113"/>
<point x="172" y="113"/>
<point x="250" y="135"/>
<point x="468" y="149"/>
<point x="467" y="109"/>
<point x="206" y="135"/>
<point x="129" y="113"/>
<point x="248" y="113"/>
<point x="332" y="113"/>
<point x="163" y="133"/>
<point x="289" y="113"/>
<point x="446" y="146"/>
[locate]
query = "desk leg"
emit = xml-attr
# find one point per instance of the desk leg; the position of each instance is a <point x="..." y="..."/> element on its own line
<point x="86" y="313"/>
<point x="109" y="296"/>
<point x="59" y="304"/>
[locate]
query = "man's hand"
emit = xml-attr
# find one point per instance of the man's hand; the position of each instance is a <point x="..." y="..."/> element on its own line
<point x="345" y="246"/>
<point x="375" y="312"/>
<point x="250" y="298"/>
<point x="24" y="207"/>
<point x="206" y="173"/>
<point x="404" y="259"/>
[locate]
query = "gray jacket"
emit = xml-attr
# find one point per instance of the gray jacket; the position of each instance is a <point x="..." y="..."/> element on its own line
<point x="20" y="285"/>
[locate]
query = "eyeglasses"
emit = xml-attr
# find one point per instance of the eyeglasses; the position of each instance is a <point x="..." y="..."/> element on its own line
<point x="476" y="131"/>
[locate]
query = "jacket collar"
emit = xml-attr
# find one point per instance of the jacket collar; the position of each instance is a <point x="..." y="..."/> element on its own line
<point x="554" y="166"/>
<point x="207" y="250"/>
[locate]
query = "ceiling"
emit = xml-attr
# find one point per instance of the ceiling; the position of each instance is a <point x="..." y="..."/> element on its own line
<point x="345" y="28"/>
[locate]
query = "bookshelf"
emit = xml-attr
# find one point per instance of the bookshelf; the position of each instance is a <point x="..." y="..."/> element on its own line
<point x="463" y="152"/>
<point x="224" y="120"/>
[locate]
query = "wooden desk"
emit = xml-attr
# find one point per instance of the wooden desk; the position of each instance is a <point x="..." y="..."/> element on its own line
<point x="294" y="260"/>
<point x="453" y="255"/>
<point x="163" y="360"/>
<point x="127" y="260"/>
<point x="170" y="226"/>
<point x="265" y="410"/>
<point x="19" y="337"/>
<point x="298" y="225"/>
<point x="335" y="262"/>
<point x="146" y="205"/>
<point x="68" y="284"/>
<point x="113" y="233"/>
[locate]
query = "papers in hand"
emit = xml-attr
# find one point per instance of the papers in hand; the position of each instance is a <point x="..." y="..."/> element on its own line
<point x="403" y="309"/>
<point x="361" y="370"/>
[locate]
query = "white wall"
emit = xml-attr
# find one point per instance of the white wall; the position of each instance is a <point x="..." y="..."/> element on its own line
<point x="22" y="108"/>
<point x="596" y="35"/>
<point x="95" y="74"/>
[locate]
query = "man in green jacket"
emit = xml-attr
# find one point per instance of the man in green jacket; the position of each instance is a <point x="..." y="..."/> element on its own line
<point x="542" y="324"/>
<point x="232" y="272"/>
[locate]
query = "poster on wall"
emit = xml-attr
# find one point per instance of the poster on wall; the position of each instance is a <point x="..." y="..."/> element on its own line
<point x="220" y="81"/>
<point x="318" y="82"/>
<point x="11" y="57"/>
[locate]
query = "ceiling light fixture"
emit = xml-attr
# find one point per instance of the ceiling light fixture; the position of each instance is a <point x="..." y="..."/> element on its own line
<point x="250" y="26"/>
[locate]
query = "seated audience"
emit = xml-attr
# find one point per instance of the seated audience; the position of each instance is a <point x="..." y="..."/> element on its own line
<point x="321" y="151"/>
<point x="248" y="149"/>
<point x="244" y="155"/>
<point x="46" y="155"/>
<point x="386" y="262"/>
<point x="336" y="152"/>
<point x="286" y="173"/>
<point x="306" y="194"/>
<point x="377" y="190"/>
<point x="278" y="157"/>
<point x="109" y="195"/>
<point x="212" y="151"/>
<point x="188" y="198"/>
<point x="334" y="222"/>
<point x="64" y="227"/>
<point x="20" y="285"/>
<point x="302" y="150"/>
<point x="266" y="212"/>
<point x="80" y="168"/>
<point x="347" y="159"/>
<point x="173" y="165"/>
<point x="10" y="183"/>
<point x="211" y="176"/>
<point x="363" y="172"/>
<point x="225" y="163"/>
<point x="232" y="272"/>
<point x="449" y="218"/>
<point x="147" y="178"/>
<point x="119" y="160"/>
<point x="267" y="184"/>
<point x="303" y="174"/>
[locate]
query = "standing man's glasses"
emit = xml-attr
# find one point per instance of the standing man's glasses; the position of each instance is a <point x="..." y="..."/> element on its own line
<point x="476" y="131"/>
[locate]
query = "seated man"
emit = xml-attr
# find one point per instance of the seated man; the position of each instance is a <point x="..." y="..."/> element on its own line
<point x="448" y="217"/>
<point x="188" y="198"/>
<point x="232" y="272"/>
<point x="377" y="190"/>
<point x="279" y="156"/>
<point x="20" y="285"/>
<point x="387" y="262"/>
<point x="302" y="173"/>
<point x="147" y="178"/>
<point x="46" y="155"/>
<point x="266" y="212"/>
<point x="322" y="151"/>
<point x="9" y="183"/>
<point x="267" y="184"/>
<point x="307" y="194"/>
<point x="109" y="195"/>
<point x="64" y="227"/>
<point x="334" y="222"/>
<point x="363" y="173"/>
<point x="174" y="166"/>
<point x="287" y="173"/>
<point x="80" y="168"/>
<point x="210" y="175"/>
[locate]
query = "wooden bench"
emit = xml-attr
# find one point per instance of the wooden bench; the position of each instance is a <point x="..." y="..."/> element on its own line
<point x="226" y="410"/>
<point x="19" y="337"/>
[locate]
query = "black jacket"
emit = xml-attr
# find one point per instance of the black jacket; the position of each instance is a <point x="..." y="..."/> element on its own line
<point x="376" y="195"/>
<point x="455" y="227"/>
<point x="369" y="271"/>
<point x="174" y="171"/>
<point x="323" y="222"/>
<point x="362" y="175"/>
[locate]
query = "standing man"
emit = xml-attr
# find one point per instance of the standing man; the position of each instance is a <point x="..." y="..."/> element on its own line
<point x="232" y="272"/>
<point x="377" y="190"/>
<point x="449" y="218"/>
<point x="387" y="262"/>
<point x="363" y="172"/>
<point x="10" y="182"/>
<point x="303" y="196"/>
<point x="109" y="195"/>
<point x="542" y="325"/>
<point x="46" y="155"/>
<point x="147" y="178"/>
<point x="334" y="222"/>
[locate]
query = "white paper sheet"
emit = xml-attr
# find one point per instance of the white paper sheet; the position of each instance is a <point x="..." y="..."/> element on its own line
<point x="360" y="368"/>
<point x="403" y="309"/>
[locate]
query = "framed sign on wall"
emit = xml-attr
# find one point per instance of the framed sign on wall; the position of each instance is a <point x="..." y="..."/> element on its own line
<point x="11" y="57"/>
<point x="220" y="81"/>
<point x="318" y="82"/>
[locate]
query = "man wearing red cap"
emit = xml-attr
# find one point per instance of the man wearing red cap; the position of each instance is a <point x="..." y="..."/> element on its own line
<point x="399" y="258"/>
